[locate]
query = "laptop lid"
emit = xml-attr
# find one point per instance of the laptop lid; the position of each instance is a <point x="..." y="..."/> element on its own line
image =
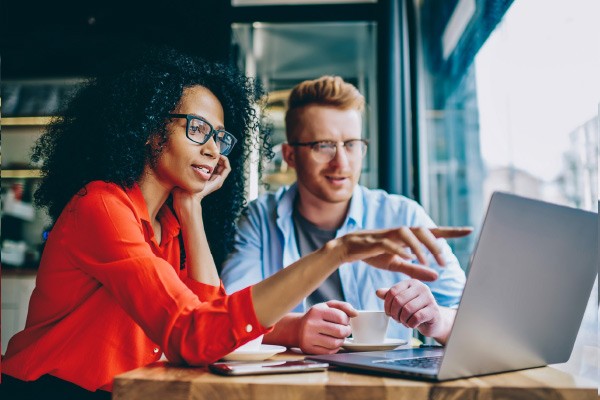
<point x="530" y="278"/>
<point x="529" y="281"/>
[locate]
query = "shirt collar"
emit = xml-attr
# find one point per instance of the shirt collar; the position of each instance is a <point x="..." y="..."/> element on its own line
<point x="285" y="205"/>
<point x="168" y="221"/>
<point x="285" y="201"/>
<point x="356" y="209"/>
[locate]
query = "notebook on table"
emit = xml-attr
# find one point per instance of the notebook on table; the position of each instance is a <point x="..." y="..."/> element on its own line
<point x="529" y="281"/>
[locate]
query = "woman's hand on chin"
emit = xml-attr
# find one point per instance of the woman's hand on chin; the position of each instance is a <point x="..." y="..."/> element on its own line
<point x="220" y="173"/>
<point x="187" y="203"/>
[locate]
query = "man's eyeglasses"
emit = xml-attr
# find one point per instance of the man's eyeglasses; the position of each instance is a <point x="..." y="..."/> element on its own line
<point x="325" y="150"/>
<point x="199" y="131"/>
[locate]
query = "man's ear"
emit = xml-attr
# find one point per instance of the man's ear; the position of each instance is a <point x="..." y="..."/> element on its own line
<point x="289" y="155"/>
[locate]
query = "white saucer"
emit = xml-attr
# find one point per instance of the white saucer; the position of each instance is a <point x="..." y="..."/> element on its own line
<point x="388" y="344"/>
<point x="265" y="351"/>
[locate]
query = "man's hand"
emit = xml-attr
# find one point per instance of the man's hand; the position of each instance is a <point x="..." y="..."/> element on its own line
<point x="395" y="249"/>
<point x="412" y="304"/>
<point x="325" y="326"/>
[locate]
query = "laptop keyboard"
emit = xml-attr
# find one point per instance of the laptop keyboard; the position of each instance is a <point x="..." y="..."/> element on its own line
<point x="421" y="362"/>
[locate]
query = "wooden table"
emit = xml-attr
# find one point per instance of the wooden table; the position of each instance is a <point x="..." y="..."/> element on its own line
<point x="164" y="381"/>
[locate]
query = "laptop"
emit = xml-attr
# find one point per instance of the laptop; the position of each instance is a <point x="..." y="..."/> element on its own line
<point x="529" y="282"/>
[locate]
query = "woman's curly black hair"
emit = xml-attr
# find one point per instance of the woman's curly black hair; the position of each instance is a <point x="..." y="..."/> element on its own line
<point x="103" y="131"/>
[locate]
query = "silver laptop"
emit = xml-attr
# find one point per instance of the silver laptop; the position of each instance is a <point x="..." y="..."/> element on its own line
<point x="529" y="281"/>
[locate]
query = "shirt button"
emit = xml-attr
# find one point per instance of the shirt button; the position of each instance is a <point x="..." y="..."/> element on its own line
<point x="155" y="350"/>
<point x="249" y="328"/>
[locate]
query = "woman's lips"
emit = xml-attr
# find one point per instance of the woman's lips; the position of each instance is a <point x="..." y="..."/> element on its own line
<point x="203" y="170"/>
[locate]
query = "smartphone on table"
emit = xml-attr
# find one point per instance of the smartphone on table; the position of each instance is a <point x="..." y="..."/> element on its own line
<point x="237" y="368"/>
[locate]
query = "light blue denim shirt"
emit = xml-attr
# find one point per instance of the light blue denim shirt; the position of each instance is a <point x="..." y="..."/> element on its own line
<point x="266" y="243"/>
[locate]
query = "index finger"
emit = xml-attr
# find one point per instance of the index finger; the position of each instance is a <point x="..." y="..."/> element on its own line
<point x="410" y="239"/>
<point x="343" y="306"/>
<point x="336" y="315"/>
<point x="450" y="232"/>
<point x="222" y="168"/>
<point x="429" y="240"/>
<point x="224" y="164"/>
<point x="416" y="271"/>
<point x="225" y="161"/>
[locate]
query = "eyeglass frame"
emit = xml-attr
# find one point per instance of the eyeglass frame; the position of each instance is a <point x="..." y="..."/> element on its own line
<point x="344" y="142"/>
<point x="212" y="134"/>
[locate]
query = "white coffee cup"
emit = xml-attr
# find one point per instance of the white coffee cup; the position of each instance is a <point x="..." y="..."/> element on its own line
<point x="253" y="345"/>
<point x="369" y="326"/>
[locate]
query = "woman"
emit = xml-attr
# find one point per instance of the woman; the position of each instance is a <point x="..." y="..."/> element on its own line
<point x="127" y="171"/>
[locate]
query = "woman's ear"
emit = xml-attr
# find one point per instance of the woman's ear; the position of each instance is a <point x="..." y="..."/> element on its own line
<point x="289" y="155"/>
<point x="154" y="142"/>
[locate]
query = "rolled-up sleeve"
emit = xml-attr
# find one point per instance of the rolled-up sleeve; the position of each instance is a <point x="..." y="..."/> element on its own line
<point x="203" y="291"/>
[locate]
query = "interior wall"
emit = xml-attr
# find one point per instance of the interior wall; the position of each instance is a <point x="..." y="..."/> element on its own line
<point x="62" y="38"/>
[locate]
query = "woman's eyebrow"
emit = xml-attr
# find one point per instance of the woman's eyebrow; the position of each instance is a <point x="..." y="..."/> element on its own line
<point x="217" y="127"/>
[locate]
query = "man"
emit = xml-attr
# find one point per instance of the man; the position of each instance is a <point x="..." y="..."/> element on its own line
<point x="323" y="128"/>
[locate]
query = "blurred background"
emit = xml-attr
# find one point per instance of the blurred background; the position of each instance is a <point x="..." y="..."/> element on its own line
<point x="464" y="97"/>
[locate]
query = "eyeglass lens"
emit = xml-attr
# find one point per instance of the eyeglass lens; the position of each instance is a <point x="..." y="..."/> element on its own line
<point x="199" y="131"/>
<point x="326" y="151"/>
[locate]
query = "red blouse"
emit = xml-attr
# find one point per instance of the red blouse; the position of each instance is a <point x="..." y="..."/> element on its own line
<point x="109" y="298"/>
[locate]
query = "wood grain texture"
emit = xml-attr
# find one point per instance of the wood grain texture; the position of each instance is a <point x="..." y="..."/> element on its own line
<point x="164" y="381"/>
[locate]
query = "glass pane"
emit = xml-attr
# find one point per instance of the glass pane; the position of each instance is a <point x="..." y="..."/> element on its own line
<point x="520" y="116"/>
<point x="283" y="55"/>
<point x="511" y="108"/>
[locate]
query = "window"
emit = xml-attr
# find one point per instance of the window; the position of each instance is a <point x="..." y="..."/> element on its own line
<point x="516" y="112"/>
<point x="282" y="55"/>
<point x="509" y="101"/>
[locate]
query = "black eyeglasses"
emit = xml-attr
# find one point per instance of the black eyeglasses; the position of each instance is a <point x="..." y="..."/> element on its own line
<point x="199" y="131"/>
<point x="325" y="150"/>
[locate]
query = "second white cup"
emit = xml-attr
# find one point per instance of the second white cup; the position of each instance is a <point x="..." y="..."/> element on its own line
<point x="369" y="326"/>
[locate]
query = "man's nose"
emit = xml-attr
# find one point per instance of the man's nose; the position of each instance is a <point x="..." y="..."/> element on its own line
<point x="341" y="156"/>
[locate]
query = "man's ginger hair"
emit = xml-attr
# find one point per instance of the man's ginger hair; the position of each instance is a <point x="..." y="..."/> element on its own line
<point x="329" y="91"/>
